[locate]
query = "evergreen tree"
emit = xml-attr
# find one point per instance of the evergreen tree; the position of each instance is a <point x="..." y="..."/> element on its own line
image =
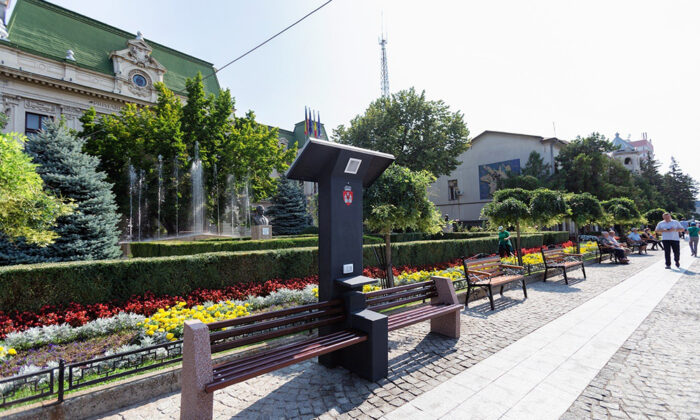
<point x="536" y="167"/>
<point x="90" y="233"/>
<point x="679" y="190"/>
<point x="288" y="210"/>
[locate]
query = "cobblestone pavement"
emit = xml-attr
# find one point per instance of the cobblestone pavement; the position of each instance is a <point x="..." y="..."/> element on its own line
<point x="418" y="361"/>
<point x="656" y="373"/>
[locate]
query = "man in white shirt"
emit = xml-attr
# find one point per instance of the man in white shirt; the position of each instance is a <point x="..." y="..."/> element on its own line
<point x="669" y="237"/>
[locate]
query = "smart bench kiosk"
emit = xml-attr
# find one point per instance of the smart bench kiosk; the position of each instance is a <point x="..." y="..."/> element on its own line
<point x="342" y="172"/>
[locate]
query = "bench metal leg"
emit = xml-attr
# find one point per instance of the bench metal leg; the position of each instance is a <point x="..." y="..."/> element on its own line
<point x="469" y="292"/>
<point x="491" y="298"/>
<point x="545" y="273"/>
<point x="502" y="290"/>
<point x="566" y="278"/>
<point x="524" y="288"/>
<point x="195" y="403"/>
<point x="583" y="268"/>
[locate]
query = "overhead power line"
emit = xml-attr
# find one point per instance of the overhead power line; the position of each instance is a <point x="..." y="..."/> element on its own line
<point x="269" y="39"/>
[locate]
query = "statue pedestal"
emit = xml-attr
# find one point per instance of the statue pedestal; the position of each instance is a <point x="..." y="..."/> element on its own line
<point x="258" y="232"/>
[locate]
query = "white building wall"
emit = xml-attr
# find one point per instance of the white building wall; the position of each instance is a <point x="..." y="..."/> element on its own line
<point x="490" y="147"/>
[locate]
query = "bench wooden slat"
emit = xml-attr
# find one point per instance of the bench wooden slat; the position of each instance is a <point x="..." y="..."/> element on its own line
<point x="426" y="292"/>
<point x="396" y="303"/>
<point x="273" y="314"/>
<point x="288" y="361"/>
<point x="220" y="335"/>
<point x="398" y="289"/>
<point x="251" y="362"/>
<point x="274" y="334"/>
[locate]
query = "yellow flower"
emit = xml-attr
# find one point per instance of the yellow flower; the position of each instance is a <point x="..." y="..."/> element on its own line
<point x="12" y="352"/>
<point x="169" y="336"/>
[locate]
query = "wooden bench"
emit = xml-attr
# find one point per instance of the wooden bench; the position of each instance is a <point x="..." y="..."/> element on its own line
<point x="487" y="273"/>
<point x="555" y="259"/>
<point x="200" y="378"/>
<point x="606" y="250"/>
<point x="640" y="247"/>
<point x="442" y="311"/>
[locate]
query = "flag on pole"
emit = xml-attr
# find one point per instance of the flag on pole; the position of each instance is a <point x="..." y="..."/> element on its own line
<point x="306" y="122"/>
<point x="318" y="120"/>
<point x="315" y="132"/>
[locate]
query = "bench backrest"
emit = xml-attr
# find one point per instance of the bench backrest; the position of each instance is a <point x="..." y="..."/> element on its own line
<point x="400" y="295"/>
<point x="474" y="268"/>
<point x="250" y="329"/>
<point x="553" y="255"/>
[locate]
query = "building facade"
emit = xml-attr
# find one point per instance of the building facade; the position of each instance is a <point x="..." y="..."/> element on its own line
<point x="631" y="153"/>
<point x="493" y="154"/>
<point x="55" y="62"/>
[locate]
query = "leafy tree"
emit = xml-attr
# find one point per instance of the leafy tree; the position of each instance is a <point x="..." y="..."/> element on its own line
<point x="90" y="233"/>
<point x="399" y="200"/>
<point x="535" y="167"/>
<point x="229" y="148"/>
<point x="26" y="210"/>
<point x="3" y="120"/>
<point x="583" y="165"/>
<point x="654" y="216"/>
<point x="510" y="207"/>
<point x="622" y="211"/>
<point x="289" y="208"/>
<point x="422" y="134"/>
<point x="584" y="209"/>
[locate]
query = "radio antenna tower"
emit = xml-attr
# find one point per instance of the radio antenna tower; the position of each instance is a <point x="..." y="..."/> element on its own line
<point x="385" y="70"/>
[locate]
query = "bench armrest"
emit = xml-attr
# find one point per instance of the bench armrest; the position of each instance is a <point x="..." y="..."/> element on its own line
<point x="513" y="266"/>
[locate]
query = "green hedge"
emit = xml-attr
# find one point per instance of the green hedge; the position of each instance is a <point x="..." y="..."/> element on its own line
<point x="29" y="287"/>
<point x="172" y="248"/>
<point x="553" y="238"/>
<point x="419" y="236"/>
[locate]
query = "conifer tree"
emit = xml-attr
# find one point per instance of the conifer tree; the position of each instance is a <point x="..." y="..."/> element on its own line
<point x="90" y="232"/>
<point x="288" y="211"/>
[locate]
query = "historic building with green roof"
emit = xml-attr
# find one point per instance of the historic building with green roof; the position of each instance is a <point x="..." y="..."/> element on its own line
<point x="57" y="62"/>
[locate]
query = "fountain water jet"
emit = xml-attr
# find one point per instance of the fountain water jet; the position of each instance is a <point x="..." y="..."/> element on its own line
<point x="197" y="192"/>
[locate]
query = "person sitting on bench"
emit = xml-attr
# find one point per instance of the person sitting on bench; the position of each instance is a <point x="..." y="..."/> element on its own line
<point x="633" y="238"/>
<point x="650" y="238"/>
<point x="608" y="241"/>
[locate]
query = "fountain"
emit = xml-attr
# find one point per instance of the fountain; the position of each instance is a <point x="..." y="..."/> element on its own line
<point x="140" y="188"/>
<point x="132" y="187"/>
<point x="176" y="178"/>
<point x="160" y="191"/>
<point x="197" y="192"/>
<point x="216" y="198"/>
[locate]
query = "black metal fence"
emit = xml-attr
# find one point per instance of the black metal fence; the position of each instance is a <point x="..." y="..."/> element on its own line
<point x="56" y="381"/>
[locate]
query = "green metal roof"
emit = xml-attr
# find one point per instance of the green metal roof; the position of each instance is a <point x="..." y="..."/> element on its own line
<point x="300" y="137"/>
<point x="45" y="29"/>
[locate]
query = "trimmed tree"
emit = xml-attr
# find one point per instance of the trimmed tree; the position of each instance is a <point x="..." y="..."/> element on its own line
<point x="622" y="211"/>
<point x="289" y="208"/>
<point x="510" y="207"/>
<point x="584" y="209"/>
<point x="90" y="233"/>
<point x="654" y="216"/>
<point x="399" y="200"/>
<point x="547" y="207"/>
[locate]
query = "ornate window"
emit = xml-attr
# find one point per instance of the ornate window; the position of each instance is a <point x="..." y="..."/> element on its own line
<point x="139" y="80"/>
<point x="452" y="191"/>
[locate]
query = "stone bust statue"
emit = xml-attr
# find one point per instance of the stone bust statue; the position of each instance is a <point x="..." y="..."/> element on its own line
<point x="259" y="217"/>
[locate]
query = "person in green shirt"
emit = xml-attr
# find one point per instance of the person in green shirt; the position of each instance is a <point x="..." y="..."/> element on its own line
<point x="693" y="234"/>
<point x="505" y="249"/>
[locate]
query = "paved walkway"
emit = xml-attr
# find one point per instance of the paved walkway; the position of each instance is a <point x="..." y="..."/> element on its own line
<point x="542" y="374"/>
<point x="418" y="362"/>
<point x="656" y="373"/>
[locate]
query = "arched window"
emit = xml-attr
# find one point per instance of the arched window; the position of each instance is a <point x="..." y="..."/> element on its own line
<point x="628" y="161"/>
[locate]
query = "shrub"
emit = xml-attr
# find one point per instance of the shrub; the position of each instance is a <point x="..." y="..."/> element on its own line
<point x="551" y="238"/>
<point x="171" y="248"/>
<point x="29" y="287"/>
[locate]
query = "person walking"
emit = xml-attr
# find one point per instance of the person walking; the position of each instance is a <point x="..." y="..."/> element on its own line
<point x="504" y="246"/>
<point x="694" y="236"/>
<point x="670" y="229"/>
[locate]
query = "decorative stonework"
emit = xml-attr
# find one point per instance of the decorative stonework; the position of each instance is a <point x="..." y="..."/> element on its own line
<point x="39" y="106"/>
<point x="144" y="91"/>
